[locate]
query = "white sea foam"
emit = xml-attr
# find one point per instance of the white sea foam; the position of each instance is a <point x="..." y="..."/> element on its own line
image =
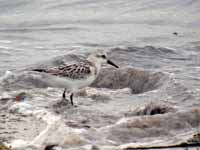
<point x="5" y="41"/>
<point x="8" y="74"/>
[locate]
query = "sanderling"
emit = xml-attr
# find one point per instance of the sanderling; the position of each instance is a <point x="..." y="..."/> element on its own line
<point x="76" y="76"/>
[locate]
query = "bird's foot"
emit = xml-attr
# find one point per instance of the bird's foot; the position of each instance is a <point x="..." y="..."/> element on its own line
<point x="66" y="101"/>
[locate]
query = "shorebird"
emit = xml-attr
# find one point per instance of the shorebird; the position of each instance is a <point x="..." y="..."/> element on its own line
<point x="76" y="76"/>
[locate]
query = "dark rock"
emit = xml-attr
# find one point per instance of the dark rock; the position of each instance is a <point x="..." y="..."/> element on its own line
<point x="151" y="109"/>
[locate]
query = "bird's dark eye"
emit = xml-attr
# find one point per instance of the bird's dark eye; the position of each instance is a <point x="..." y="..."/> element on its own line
<point x="103" y="56"/>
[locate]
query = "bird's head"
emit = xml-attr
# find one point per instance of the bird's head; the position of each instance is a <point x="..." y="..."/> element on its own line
<point x="100" y="57"/>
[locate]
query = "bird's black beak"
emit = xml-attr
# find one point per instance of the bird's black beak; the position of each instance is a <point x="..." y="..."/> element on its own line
<point x="111" y="63"/>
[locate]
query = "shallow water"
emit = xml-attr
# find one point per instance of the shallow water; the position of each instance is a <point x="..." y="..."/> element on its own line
<point x="153" y="99"/>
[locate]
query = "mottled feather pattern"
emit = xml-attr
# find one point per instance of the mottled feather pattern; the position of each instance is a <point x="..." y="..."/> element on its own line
<point x="74" y="71"/>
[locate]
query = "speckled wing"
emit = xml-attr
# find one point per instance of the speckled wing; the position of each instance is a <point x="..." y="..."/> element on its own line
<point x="73" y="71"/>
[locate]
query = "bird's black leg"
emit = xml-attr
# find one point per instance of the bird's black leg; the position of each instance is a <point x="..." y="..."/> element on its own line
<point x="71" y="99"/>
<point x="63" y="95"/>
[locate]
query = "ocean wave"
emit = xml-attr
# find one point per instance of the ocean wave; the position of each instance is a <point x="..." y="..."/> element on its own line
<point x="121" y="107"/>
<point x="138" y="81"/>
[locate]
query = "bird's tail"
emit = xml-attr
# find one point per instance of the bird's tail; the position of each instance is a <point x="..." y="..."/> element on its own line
<point x="39" y="70"/>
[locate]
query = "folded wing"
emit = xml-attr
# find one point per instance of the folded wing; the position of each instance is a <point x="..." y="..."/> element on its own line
<point x="73" y="71"/>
